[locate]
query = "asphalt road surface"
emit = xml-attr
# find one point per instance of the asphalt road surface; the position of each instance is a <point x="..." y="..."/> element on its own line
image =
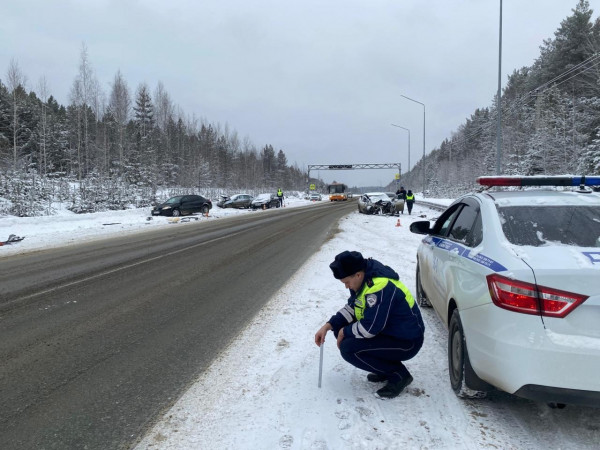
<point x="97" y="340"/>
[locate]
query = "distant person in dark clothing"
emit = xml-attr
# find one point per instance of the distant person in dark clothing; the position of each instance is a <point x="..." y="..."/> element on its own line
<point x="401" y="193"/>
<point x="410" y="200"/>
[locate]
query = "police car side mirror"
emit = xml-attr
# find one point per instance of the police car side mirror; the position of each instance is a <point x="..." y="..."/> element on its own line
<point x="420" y="227"/>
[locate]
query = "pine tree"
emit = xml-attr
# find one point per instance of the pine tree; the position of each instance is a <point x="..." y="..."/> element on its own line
<point x="282" y="170"/>
<point x="143" y="159"/>
<point x="5" y="122"/>
<point x="269" y="165"/>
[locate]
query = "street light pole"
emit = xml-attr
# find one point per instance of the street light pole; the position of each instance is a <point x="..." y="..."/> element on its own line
<point x="423" y="105"/>
<point x="394" y="125"/>
<point x="499" y="102"/>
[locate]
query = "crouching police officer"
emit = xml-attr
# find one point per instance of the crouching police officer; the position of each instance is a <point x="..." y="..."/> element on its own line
<point x="380" y="326"/>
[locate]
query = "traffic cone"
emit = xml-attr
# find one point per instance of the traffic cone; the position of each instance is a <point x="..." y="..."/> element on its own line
<point x="398" y="224"/>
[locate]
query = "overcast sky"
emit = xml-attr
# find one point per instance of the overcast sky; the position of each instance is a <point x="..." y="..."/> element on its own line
<point x="320" y="79"/>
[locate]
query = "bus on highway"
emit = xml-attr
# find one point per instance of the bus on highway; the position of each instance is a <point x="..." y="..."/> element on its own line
<point x="337" y="191"/>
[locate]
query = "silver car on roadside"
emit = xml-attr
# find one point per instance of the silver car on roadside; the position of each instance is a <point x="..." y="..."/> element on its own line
<point x="379" y="203"/>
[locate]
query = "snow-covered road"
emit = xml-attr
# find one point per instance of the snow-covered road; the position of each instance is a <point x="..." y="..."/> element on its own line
<point x="262" y="393"/>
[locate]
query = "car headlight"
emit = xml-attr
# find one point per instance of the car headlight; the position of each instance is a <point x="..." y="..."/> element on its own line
<point x="166" y="207"/>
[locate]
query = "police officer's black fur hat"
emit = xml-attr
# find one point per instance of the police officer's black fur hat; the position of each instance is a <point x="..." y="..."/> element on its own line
<point x="347" y="263"/>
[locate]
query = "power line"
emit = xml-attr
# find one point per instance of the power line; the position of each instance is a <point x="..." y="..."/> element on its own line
<point x="509" y="110"/>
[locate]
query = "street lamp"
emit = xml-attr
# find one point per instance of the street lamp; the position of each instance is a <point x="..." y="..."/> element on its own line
<point x="499" y="104"/>
<point x="394" y="125"/>
<point x="423" y="105"/>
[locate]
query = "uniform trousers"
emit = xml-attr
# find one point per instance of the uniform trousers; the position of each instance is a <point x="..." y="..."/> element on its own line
<point x="381" y="354"/>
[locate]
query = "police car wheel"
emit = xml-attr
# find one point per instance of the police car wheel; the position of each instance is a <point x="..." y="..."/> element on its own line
<point x="461" y="373"/>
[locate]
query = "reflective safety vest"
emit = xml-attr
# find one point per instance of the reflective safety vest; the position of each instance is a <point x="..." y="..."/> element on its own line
<point x="410" y="197"/>
<point x="279" y="193"/>
<point x="378" y="285"/>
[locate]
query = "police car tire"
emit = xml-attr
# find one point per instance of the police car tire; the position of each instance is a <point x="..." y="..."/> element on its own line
<point x="462" y="376"/>
<point x="421" y="296"/>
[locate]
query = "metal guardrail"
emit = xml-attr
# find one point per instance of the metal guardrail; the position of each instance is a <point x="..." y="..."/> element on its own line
<point x="436" y="206"/>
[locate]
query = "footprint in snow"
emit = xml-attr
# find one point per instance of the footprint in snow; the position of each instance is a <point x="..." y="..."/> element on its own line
<point x="286" y="441"/>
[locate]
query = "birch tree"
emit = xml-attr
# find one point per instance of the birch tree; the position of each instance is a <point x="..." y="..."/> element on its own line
<point x="77" y="103"/>
<point x="44" y="93"/>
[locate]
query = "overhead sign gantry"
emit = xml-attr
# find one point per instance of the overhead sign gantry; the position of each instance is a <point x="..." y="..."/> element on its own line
<point x="354" y="166"/>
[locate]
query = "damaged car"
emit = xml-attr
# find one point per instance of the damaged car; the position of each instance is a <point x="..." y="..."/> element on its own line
<point x="239" y="201"/>
<point x="379" y="203"/>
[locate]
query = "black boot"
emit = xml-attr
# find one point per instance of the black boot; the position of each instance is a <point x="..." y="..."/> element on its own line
<point x="393" y="389"/>
<point x="376" y="377"/>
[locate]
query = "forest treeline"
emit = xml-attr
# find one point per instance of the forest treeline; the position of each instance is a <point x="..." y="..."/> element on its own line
<point x="550" y="118"/>
<point x="109" y="150"/>
<point x="119" y="148"/>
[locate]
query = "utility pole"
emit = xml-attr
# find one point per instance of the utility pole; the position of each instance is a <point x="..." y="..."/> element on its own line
<point x="408" y="168"/>
<point x="423" y="105"/>
<point x="499" y="103"/>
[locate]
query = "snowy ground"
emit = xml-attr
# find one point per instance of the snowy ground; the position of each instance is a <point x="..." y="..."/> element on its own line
<point x="262" y="392"/>
<point x="67" y="227"/>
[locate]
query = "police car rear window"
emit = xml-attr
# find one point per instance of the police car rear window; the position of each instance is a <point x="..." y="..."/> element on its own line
<point x="551" y="225"/>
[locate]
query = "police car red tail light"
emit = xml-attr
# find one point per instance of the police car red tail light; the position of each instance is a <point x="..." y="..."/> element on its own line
<point x="528" y="298"/>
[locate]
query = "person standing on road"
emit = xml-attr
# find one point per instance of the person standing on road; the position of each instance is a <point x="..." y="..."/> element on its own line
<point x="410" y="200"/>
<point x="280" y="196"/>
<point x="401" y="193"/>
<point x="380" y="326"/>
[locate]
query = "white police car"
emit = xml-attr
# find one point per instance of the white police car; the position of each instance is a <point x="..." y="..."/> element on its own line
<point x="515" y="276"/>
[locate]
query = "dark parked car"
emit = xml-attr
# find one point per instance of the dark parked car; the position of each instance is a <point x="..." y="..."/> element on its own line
<point x="182" y="205"/>
<point x="264" y="201"/>
<point x="235" y="201"/>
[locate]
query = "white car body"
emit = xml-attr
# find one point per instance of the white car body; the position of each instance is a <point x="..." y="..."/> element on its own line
<point x="523" y="352"/>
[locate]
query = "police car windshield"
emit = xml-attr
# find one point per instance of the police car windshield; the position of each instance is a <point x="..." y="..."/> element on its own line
<point x="551" y="225"/>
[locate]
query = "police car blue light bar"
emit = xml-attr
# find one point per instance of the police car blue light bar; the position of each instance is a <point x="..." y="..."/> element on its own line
<point x="558" y="180"/>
